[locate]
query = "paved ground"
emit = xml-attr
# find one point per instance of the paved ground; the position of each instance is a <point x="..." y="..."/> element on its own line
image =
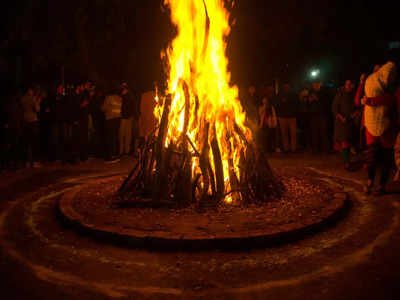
<point x="41" y="259"/>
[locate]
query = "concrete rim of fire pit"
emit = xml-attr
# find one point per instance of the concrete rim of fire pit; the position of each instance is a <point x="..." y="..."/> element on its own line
<point x="135" y="237"/>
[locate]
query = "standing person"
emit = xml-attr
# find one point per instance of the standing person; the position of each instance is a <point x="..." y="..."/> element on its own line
<point x="46" y="123"/>
<point x="31" y="106"/>
<point x="69" y="117"/>
<point x="14" y="138"/>
<point x="58" y="119"/>
<point x="83" y="98"/>
<point x="397" y="158"/>
<point x="318" y="103"/>
<point x="5" y="144"/>
<point x="127" y="114"/>
<point x="304" y="119"/>
<point x="381" y="120"/>
<point x="287" y="109"/>
<point x="267" y="125"/>
<point x="344" y="112"/>
<point x="112" y="111"/>
<point x="250" y="104"/>
<point x="98" y="122"/>
<point x="147" y="121"/>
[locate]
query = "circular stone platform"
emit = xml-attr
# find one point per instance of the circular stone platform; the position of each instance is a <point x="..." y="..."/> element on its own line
<point x="306" y="207"/>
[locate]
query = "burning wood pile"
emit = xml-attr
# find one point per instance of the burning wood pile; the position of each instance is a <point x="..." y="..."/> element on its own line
<point x="201" y="152"/>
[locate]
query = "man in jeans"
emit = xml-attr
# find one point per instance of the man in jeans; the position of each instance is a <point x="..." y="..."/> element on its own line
<point x="286" y="109"/>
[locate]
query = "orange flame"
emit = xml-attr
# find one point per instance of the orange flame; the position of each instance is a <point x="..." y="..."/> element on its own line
<point x="198" y="67"/>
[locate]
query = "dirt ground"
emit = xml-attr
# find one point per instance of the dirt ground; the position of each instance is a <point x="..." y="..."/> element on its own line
<point x="40" y="258"/>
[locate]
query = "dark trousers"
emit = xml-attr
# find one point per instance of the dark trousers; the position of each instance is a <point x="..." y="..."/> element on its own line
<point x="83" y="126"/>
<point x="60" y="140"/>
<point x="376" y="155"/>
<point x="320" y="133"/>
<point x="111" y="131"/>
<point x="99" y="135"/>
<point x="31" y="141"/>
<point x="11" y="147"/>
<point x="45" y="139"/>
<point x="304" y="124"/>
<point x="268" y="139"/>
<point x="67" y="145"/>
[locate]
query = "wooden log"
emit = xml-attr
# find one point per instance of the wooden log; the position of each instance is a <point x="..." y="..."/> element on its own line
<point x="127" y="179"/>
<point x="159" y="146"/>
<point x="187" y="108"/>
<point x="193" y="146"/>
<point x="204" y="160"/>
<point x="183" y="189"/>
<point x="195" y="185"/>
<point x="219" y="171"/>
<point x="240" y="133"/>
<point x="233" y="180"/>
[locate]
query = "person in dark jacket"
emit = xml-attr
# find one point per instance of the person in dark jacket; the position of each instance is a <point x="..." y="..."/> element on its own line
<point x="98" y="122"/>
<point x="12" y="119"/>
<point x="344" y="112"/>
<point x="83" y="98"/>
<point x="56" y="107"/>
<point x="68" y="113"/>
<point x="46" y="123"/>
<point x="287" y="109"/>
<point x="319" y="111"/>
<point x="30" y="103"/>
<point x="251" y="102"/>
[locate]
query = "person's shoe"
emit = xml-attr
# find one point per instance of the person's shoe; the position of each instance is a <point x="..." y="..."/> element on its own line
<point x="368" y="187"/>
<point x="36" y="165"/>
<point x="379" y="191"/>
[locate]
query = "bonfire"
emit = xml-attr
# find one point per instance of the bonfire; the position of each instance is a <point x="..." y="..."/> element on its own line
<point x="201" y="152"/>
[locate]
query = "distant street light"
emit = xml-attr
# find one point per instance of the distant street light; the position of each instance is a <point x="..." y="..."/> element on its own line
<point x="314" y="73"/>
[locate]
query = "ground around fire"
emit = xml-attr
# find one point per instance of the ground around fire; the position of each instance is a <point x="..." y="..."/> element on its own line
<point x="306" y="205"/>
<point x="41" y="258"/>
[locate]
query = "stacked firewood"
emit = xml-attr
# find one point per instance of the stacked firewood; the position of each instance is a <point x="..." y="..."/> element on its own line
<point x="164" y="173"/>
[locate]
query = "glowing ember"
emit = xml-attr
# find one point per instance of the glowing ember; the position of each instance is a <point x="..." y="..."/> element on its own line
<point x="204" y="106"/>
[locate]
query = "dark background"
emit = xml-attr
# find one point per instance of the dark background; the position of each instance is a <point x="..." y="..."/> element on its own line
<point x="122" y="39"/>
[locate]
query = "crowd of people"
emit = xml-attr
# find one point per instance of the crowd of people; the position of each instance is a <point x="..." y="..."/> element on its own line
<point x="76" y="122"/>
<point x="362" y="121"/>
<point x="69" y="125"/>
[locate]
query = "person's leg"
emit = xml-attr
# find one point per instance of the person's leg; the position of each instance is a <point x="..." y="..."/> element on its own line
<point x="346" y="156"/>
<point x="128" y="141"/>
<point x="135" y="134"/>
<point x="293" y="134"/>
<point x="84" y="139"/>
<point x="370" y="161"/>
<point x="115" y="129"/>
<point x="35" y="142"/>
<point x="122" y="136"/>
<point x="387" y="165"/>
<point x="28" y="144"/>
<point x="108" y="139"/>
<point x="315" y="132"/>
<point x="284" y="126"/>
<point x="325" y="136"/>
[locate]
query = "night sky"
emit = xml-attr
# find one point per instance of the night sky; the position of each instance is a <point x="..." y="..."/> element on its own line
<point x="270" y="39"/>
